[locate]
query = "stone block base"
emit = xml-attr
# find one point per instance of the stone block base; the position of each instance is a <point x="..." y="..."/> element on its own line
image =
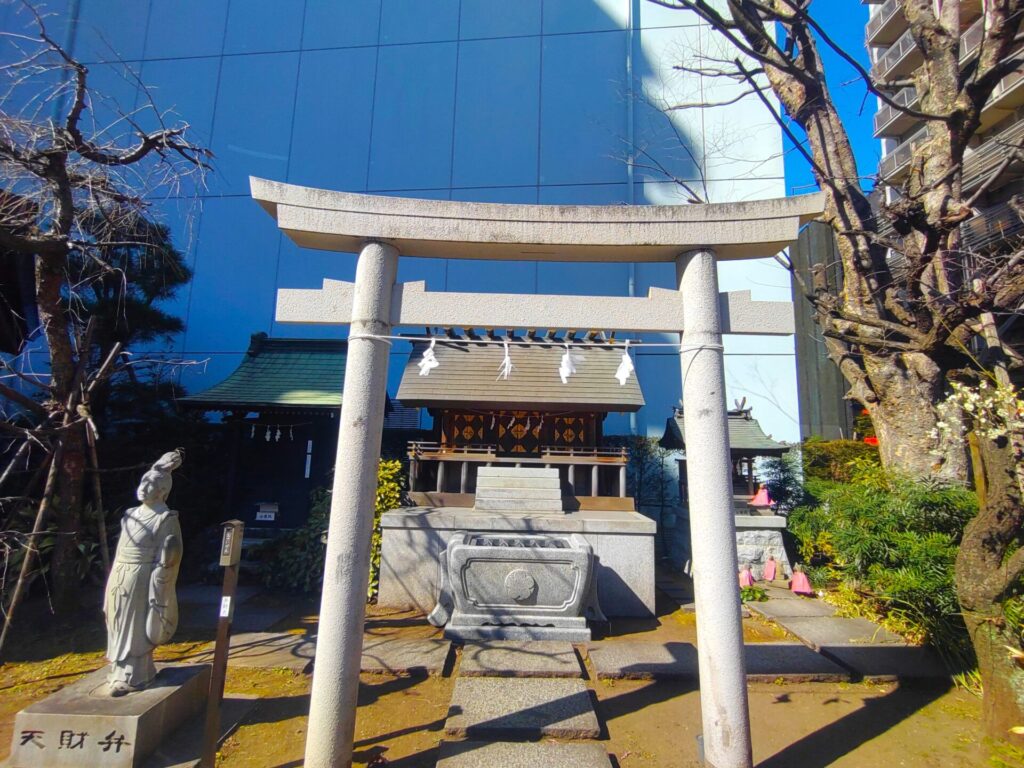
<point x="81" y="725"/>
<point x="415" y="537"/>
<point x="475" y="633"/>
<point x="754" y="545"/>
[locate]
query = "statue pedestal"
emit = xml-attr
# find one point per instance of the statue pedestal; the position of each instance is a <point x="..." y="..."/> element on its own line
<point x="82" y="725"/>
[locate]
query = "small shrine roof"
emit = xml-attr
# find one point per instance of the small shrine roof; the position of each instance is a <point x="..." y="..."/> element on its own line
<point x="467" y="376"/>
<point x="745" y="434"/>
<point x="280" y="373"/>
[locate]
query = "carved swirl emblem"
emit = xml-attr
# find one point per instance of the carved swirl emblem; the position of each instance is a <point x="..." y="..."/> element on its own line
<point x="520" y="585"/>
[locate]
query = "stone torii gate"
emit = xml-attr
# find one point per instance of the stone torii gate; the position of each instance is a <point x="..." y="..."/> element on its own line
<point x="692" y="237"/>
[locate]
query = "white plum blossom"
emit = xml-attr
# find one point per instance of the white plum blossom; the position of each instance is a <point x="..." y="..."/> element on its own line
<point x="993" y="410"/>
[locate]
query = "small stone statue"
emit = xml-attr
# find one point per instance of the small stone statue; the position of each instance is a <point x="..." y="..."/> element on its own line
<point x="800" y="584"/>
<point x="140" y="603"/>
<point x="746" y="576"/>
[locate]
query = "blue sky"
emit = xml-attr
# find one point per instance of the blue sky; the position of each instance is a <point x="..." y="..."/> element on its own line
<point x="844" y="21"/>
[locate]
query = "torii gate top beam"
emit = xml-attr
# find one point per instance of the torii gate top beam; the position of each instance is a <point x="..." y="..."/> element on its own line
<point x="344" y="221"/>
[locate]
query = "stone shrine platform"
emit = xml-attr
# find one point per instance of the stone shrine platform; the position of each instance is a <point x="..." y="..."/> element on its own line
<point x="415" y="537"/>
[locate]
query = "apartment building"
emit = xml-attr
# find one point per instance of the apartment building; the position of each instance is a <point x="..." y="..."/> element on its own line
<point x="998" y="224"/>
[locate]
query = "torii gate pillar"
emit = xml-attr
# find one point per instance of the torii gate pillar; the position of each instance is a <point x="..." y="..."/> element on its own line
<point x="723" y="680"/>
<point x="339" y="643"/>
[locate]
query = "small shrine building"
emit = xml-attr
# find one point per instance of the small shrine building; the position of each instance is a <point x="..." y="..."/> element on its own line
<point x="747" y="443"/>
<point x="529" y="419"/>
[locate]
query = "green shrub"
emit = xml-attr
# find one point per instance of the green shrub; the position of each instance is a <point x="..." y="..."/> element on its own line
<point x="830" y="459"/>
<point x="893" y="542"/>
<point x="296" y="561"/>
<point x="753" y="594"/>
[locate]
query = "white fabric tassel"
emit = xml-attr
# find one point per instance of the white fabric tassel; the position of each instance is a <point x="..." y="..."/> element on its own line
<point x="506" y="365"/>
<point x="625" y="368"/>
<point x="429" y="361"/>
<point x="566" y="367"/>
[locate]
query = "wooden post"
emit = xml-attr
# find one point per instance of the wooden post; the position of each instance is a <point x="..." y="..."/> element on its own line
<point x="97" y="494"/>
<point x="463" y="476"/>
<point x="230" y="555"/>
<point x="440" y="476"/>
<point x="594" y="477"/>
<point x="622" y="481"/>
<point x="572" y="479"/>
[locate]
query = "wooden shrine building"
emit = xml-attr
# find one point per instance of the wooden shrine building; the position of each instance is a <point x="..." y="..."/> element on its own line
<point x="747" y="443"/>
<point x="529" y="419"/>
<point x="281" y="408"/>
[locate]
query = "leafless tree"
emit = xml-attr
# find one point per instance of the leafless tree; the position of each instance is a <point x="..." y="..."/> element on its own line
<point x="913" y="302"/>
<point x="79" y="179"/>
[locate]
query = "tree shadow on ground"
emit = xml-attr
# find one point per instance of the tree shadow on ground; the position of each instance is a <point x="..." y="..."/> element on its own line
<point x="878" y="715"/>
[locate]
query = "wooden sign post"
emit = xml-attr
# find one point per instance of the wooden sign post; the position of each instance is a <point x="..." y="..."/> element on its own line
<point x="230" y="556"/>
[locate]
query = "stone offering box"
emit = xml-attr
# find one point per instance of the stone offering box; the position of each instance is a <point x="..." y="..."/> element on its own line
<point x="517" y="587"/>
<point x="82" y="725"/>
<point x="416" y="538"/>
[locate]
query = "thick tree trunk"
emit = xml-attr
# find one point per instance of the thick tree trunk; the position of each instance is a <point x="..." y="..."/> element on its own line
<point x="905" y="385"/>
<point x="1003" y="697"/>
<point x="987" y="571"/>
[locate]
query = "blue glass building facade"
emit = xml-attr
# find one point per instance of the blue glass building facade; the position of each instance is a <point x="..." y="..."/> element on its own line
<point x="532" y="101"/>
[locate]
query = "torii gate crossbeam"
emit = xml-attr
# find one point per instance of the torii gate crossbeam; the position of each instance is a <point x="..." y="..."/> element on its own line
<point x="378" y="228"/>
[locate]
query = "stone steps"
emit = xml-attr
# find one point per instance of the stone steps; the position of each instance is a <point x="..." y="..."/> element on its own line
<point x="519" y="482"/>
<point x="518" y="505"/>
<point x="518" y="472"/>
<point x="489" y="494"/>
<point x="511" y="489"/>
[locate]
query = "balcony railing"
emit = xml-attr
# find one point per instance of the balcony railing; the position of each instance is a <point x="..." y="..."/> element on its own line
<point x="883" y="25"/>
<point x="970" y="40"/>
<point x="896" y="60"/>
<point x="989" y="227"/>
<point x="897" y="53"/>
<point x="890" y="119"/>
<point x="897" y="160"/>
<point x="983" y="160"/>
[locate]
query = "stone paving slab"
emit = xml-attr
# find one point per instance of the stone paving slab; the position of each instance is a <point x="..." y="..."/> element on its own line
<point x="266" y="650"/>
<point x="247" y="618"/>
<point x="643" y="660"/>
<point x="545" y="754"/>
<point x="791" y="662"/>
<point x="399" y="656"/>
<point x="511" y="658"/>
<point x="182" y="749"/>
<point x="766" y="662"/>
<point x="210" y="594"/>
<point x="381" y="655"/>
<point x="818" y="632"/>
<point x="778" y="609"/>
<point x="776" y="591"/>
<point x="491" y="707"/>
<point x="889" y="662"/>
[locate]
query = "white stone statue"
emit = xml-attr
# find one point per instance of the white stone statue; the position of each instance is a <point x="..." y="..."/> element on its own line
<point x="140" y="603"/>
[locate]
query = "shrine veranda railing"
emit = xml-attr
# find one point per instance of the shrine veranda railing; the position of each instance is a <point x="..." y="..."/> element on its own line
<point x="588" y="471"/>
